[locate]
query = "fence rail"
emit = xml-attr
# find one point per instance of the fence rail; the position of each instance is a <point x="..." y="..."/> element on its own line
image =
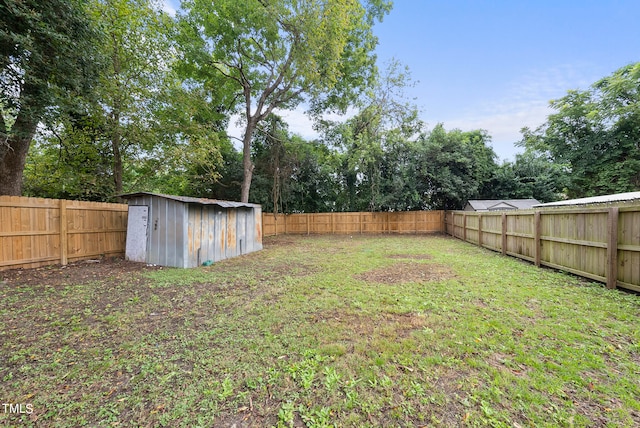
<point x="36" y="232"/>
<point x="602" y="244"/>
<point x="353" y="223"/>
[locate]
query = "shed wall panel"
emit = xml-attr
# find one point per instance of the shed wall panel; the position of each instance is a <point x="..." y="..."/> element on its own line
<point x="222" y="235"/>
<point x="184" y="234"/>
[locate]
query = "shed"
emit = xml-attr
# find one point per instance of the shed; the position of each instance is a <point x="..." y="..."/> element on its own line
<point x="186" y="232"/>
<point x="500" y="204"/>
<point x="617" y="199"/>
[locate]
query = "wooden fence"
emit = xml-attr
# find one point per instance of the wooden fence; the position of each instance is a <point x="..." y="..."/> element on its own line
<point x="353" y="223"/>
<point x="601" y="243"/>
<point x="36" y="232"/>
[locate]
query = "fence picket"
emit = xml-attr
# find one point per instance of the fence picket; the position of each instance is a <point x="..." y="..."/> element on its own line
<point x="36" y="232"/>
<point x="602" y="244"/>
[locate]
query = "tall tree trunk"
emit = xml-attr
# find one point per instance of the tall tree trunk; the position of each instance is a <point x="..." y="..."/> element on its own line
<point x="116" y="139"/>
<point x="116" y="130"/>
<point x="13" y="157"/>
<point x="247" y="165"/>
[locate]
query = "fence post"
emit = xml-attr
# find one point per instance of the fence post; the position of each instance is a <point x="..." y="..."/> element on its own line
<point x="63" y="233"/>
<point x="536" y="233"/>
<point x="308" y="228"/>
<point x="612" y="247"/>
<point x="265" y="216"/>
<point x="386" y="217"/>
<point x="453" y="224"/>
<point x="504" y="233"/>
<point x="464" y="227"/>
<point x="479" y="230"/>
<point x="332" y="222"/>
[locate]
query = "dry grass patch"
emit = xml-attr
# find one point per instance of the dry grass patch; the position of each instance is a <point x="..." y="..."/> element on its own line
<point x="405" y="272"/>
<point x="410" y="256"/>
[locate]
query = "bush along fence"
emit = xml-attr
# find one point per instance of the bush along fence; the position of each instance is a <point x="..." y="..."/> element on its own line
<point x="342" y="223"/>
<point x="602" y="244"/>
<point x="36" y="232"/>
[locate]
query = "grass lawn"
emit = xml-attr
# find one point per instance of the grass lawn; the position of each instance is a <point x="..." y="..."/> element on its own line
<point x="319" y="331"/>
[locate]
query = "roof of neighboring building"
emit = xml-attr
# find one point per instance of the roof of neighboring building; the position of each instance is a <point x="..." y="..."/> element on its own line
<point x="618" y="197"/>
<point x="190" y="200"/>
<point x="502" y="204"/>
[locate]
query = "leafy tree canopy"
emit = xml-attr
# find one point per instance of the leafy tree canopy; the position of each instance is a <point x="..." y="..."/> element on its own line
<point x="47" y="54"/>
<point x="595" y="134"/>
<point x="274" y="54"/>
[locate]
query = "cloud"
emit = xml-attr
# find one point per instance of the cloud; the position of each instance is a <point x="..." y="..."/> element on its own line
<point x="169" y="7"/>
<point x="524" y="102"/>
<point x="521" y="102"/>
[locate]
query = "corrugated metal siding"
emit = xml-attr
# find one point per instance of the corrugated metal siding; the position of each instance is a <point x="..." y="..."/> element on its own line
<point x="218" y="233"/>
<point x="166" y="230"/>
<point x="618" y="199"/>
<point x="188" y="234"/>
<point x="204" y="228"/>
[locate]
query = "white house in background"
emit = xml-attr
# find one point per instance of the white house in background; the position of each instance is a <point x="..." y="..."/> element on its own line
<point x="617" y="199"/>
<point x="500" y="204"/>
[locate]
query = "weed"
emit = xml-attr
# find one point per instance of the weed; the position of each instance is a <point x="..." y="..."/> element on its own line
<point x="286" y="415"/>
<point x="331" y="379"/>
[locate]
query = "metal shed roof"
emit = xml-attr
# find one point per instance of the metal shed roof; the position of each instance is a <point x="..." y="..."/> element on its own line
<point x="497" y="204"/>
<point x="618" y="197"/>
<point x="191" y="200"/>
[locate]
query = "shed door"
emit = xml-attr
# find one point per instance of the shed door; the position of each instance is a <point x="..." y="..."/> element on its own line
<point x="136" y="248"/>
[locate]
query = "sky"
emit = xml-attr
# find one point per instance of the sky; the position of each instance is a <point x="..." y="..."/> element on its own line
<point x="495" y="65"/>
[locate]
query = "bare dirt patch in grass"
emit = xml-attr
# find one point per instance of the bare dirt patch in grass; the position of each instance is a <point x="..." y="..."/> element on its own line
<point x="410" y="256"/>
<point x="75" y="273"/>
<point x="398" y="273"/>
<point x="383" y="324"/>
<point x="278" y="241"/>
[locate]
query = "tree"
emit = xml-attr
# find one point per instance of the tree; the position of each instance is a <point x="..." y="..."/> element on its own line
<point x="454" y="166"/>
<point x="532" y="175"/>
<point x="47" y="54"/>
<point x="276" y="54"/>
<point x="152" y="130"/>
<point x="72" y="162"/>
<point x="376" y="148"/>
<point x="188" y="152"/>
<point x="291" y="174"/>
<point x="139" y="54"/>
<point x="273" y="162"/>
<point x="595" y="135"/>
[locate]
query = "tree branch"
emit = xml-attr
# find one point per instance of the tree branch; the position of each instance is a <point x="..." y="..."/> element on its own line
<point x="273" y="87"/>
<point x="4" y="136"/>
<point x="227" y="75"/>
<point x="281" y="101"/>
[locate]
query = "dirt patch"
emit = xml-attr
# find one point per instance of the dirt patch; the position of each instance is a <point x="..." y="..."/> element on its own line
<point x="279" y="240"/>
<point x="388" y="325"/>
<point x="262" y="269"/>
<point x="410" y="256"/>
<point x="75" y="273"/>
<point x="399" y="273"/>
